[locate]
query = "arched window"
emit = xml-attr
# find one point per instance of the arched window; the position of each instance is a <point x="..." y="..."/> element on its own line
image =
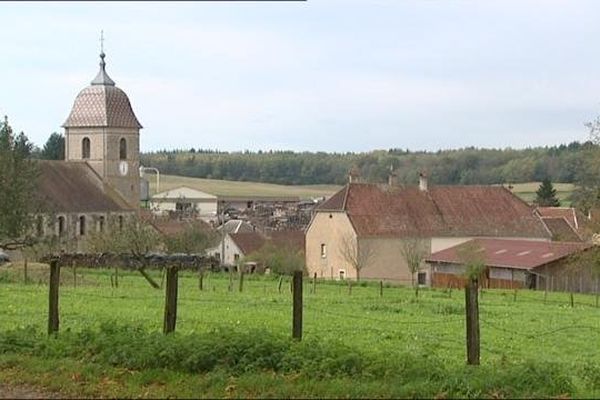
<point x="85" y="148"/>
<point x="61" y="225"/>
<point x="82" y="225"/>
<point x="123" y="149"/>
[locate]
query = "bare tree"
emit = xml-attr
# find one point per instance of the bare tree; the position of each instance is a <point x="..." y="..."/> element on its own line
<point x="137" y="238"/>
<point x="358" y="254"/>
<point x="414" y="250"/>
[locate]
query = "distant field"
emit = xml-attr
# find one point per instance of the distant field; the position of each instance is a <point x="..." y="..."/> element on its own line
<point x="526" y="191"/>
<point x="237" y="188"/>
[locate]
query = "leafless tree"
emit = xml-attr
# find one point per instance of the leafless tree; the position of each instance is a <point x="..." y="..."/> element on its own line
<point x="414" y="250"/>
<point x="358" y="254"/>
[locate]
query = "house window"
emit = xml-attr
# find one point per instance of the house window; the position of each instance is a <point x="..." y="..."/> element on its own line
<point x="82" y="225"/>
<point x="61" y="226"/>
<point x="323" y="250"/>
<point x="123" y="149"/>
<point x="422" y="278"/>
<point x="101" y="224"/>
<point x="85" y="148"/>
<point x="39" y="226"/>
<point x="120" y="222"/>
<point x="342" y="274"/>
<point x="236" y="257"/>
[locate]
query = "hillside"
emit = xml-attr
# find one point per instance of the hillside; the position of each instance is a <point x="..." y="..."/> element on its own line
<point x="234" y="188"/>
<point x="526" y="191"/>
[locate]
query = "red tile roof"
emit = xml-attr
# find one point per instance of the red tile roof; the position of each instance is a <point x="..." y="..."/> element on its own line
<point x="248" y="242"/>
<point x="561" y="230"/>
<point x="290" y="239"/>
<point x="568" y="213"/>
<point x="383" y="210"/>
<point x="518" y="254"/>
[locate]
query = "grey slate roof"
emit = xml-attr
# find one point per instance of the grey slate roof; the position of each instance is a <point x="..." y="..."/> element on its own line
<point x="67" y="186"/>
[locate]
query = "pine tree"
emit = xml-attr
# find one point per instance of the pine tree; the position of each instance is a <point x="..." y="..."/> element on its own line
<point x="546" y="195"/>
<point x="18" y="175"/>
<point x="54" y="149"/>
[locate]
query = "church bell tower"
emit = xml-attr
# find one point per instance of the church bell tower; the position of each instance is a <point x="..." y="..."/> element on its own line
<point x="103" y="131"/>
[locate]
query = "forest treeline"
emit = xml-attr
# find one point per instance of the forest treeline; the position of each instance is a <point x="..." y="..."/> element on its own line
<point x="463" y="166"/>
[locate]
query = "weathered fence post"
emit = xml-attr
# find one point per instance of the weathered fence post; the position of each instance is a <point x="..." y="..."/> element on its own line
<point x="515" y="295"/>
<point x="380" y="288"/>
<point x="230" y="286"/>
<point x="200" y="278"/>
<point x="572" y="300"/>
<point x="170" y="319"/>
<point x="349" y="287"/>
<point x="25" y="278"/>
<point x="472" y="310"/>
<point x="53" y="297"/>
<point x="241" y="287"/>
<point x="314" y="285"/>
<point x="74" y="271"/>
<point x="297" y="306"/>
<point x="116" y="276"/>
<point x="279" y="285"/>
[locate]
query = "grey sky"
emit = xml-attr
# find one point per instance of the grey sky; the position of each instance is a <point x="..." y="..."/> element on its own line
<point x="331" y="75"/>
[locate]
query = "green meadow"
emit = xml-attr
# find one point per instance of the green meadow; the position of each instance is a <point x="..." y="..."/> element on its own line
<point x="232" y="343"/>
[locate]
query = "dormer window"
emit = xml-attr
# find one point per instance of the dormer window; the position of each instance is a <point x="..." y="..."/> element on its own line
<point x="85" y="148"/>
<point x="123" y="149"/>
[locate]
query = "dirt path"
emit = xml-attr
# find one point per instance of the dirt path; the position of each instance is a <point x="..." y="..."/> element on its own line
<point x="24" y="392"/>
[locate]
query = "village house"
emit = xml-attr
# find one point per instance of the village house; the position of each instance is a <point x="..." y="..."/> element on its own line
<point x="515" y="264"/>
<point x="185" y="201"/>
<point x="369" y="223"/>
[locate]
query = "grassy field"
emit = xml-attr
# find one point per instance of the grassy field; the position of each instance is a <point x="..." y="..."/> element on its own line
<point x="236" y="188"/>
<point x="526" y="191"/>
<point x="236" y="344"/>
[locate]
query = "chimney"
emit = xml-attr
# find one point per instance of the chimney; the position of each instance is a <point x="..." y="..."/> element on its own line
<point x="422" y="182"/>
<point x="354" y="174"/>
<point x="391" y="176"/>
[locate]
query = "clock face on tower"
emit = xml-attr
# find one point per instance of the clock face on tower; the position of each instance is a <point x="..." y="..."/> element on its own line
<point x="123" y="167"/>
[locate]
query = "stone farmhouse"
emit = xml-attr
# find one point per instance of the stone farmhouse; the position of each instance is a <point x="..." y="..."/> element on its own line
<point x="97" y="186"/>
<point x="370" y="222"/>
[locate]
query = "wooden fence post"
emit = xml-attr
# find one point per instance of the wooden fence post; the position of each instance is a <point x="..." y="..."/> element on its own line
<point x="200" y="278"/>
<point x="25" y="278"/>
<point x="297" y="306"/>
<point x="380" y="288"/>
<point x="74" y="270"/>
<point x="53" y="297"/>
<point x="349" y="287"/>
<point x="230" y="286"/>
<point x="314" y="285"/>
<point x="515" y="295"/>
<point x="170" y="318"/>
<point x="279" y="285"/>
<point x="241" y="287"/>
<point x="572" y="300"/>
<point x="116" y="276"/>
<point x="472" y="311"/>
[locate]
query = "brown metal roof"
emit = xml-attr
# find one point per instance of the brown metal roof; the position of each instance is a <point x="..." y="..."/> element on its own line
<point x="75" y="187"/>
<point x="518" y="254"/>
<point x="248" y="242"/>
<point x="100" y="106"/>
<point x="561" y="230"/>
<point x="568" y="213"/>
<point x="383" y="210"/>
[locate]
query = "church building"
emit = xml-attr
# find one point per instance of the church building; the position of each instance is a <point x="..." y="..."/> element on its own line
<point x="97" y="186"/>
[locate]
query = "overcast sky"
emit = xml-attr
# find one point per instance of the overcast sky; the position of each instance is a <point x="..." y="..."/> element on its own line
<point x="331" y="75"/>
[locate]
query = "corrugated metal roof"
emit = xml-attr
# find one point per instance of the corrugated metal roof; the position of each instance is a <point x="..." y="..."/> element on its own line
<point x="75" y="187"/>
<point x="517" y="254"/>
<point x="383" y="210"/>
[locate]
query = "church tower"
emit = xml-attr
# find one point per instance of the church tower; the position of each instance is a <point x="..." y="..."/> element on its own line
<point x="103" y="131"/>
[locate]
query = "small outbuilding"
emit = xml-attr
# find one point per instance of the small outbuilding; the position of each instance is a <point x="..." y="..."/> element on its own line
<point x="185" y="200"/>
<point x="516" y="264"/>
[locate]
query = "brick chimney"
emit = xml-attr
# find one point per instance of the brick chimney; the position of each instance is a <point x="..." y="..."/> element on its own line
<point x="422" y="181"/>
